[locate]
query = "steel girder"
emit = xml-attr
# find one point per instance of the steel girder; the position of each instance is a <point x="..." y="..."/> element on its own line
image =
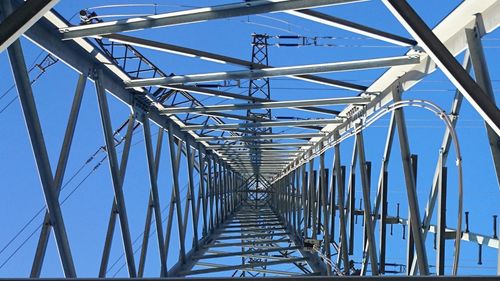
<point x="183" y="51"/>
<point x="22" y="19"/>
<point x="410" y="59"/>
<point x="195" y="15"/>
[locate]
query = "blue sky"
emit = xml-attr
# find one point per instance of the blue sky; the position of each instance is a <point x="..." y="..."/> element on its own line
<point x="87" y="209"/>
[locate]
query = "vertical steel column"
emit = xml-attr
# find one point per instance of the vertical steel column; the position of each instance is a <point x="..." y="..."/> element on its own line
<point x="314" y="204"/>
<point x="304" y="199"/>
<point x="383" y="217"/>
<point x="368" y="169"/>
<point x="177" y="195"/>
<point x="351" y="197"/>
<point x="372" y="250"/>
<point x="210" y="185"/>
<point x="115" y="173"/>
<point x="382" y="193"/>
<point x="222" y="187"/>
<point x="410" y="241"/>
<point x="216" y="192"/>
<point x="324" y="200"/>
<point x="483" y="80"/>
<point x="294" y="200"/>
<point x="310" y="197"/>
<point x="343" y="256"/>
<point x="441" y="221"/>
<point x="190" y="163"/>
<point x="300" y="198"/>
<point x="411" y="190"/>
<point x="153" y="179"/>
<point x="202" y="193"/>
<point x="40" y="152"/>
<point x="58" y="178"/>
<point x="333" y="205"/>
<point x="226" y="191"/>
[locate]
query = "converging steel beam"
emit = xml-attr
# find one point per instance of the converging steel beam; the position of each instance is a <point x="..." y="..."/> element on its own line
<point x="59" y="176"/>
<point x="33" y="126"/>
<point x="194" y="15"/>
<point x="446" y="62"/>
<point x="450" y="31"/>
<point x="266" y="105"/>
<point x="352" y="27"/>
<point x="17" y="22"/>
<point x="183" y="51"/>
<point x="103" y="268"/>
<point x="154" y="195"/>
<point x="117" y="180"/>
<point x="277" y="71"/>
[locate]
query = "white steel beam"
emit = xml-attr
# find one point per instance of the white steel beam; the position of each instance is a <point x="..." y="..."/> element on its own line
<point x="352" y="27"/>
<point x="194" y="15"/>
<point x="188" y="52"/>
<point x="412" y="58"/>
<point x="267" y="105"/>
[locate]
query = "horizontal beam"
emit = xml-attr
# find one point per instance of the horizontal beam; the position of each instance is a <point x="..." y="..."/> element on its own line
<point x="173" y="49"/>
<point x="260" y="137"/>
<point x="227" y="95"/>
<point x="480" y="239"/>
<point x="247" y="243"/>
<point x="353" y="27"/>
<point x="293" y="278"/>
<point x="264" y="124"/>
<point x="277" y="71"/>
<point x="193" y="15"/>
<point x="265" y="150"/>
<point x="244" y="266"/>
<point x="259" y="152"/>
<point x="267" y="105"/>
<point x="259" y="269"/>
<point x="232" y="254"/>
<point x="260" y="145"/>
<point x="22" y="19"/>
<point x="249" y="162"/>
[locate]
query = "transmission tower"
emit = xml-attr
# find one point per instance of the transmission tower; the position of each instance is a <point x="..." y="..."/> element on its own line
<point x="261" y="89"/>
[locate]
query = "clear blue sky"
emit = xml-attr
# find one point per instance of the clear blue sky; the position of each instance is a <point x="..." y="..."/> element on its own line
<point x="87" y="209"/>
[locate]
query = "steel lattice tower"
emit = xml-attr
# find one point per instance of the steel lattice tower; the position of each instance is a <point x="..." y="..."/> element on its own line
<point x="258" y="89"/>
<point x="230" y="198"/>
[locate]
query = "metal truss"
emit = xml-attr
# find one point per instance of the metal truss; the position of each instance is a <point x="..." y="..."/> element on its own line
<point x="255" y="199"/>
